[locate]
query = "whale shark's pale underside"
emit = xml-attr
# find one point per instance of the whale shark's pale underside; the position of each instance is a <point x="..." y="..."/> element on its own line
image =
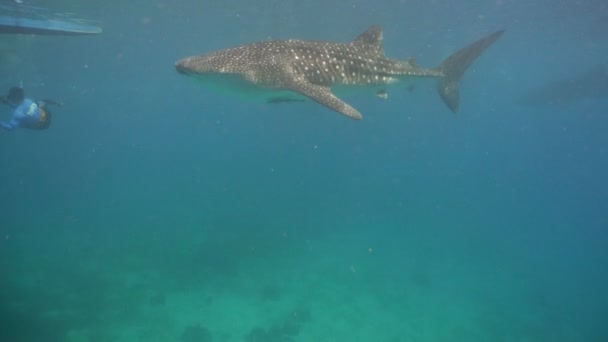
<point x="293" y="70"/>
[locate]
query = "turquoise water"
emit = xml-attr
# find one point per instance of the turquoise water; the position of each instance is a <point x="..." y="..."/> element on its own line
<point x="154" y="210"/>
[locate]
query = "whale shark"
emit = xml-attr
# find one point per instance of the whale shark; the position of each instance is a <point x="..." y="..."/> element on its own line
<point x="294" y="70"/>
<point x="592" y="83"/>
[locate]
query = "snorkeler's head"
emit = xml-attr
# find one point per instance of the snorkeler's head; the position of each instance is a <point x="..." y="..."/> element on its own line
<point x="16" y="95"/>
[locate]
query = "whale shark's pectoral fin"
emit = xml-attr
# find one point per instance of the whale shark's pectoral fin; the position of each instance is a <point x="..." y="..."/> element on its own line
<point x="324" y="96"/>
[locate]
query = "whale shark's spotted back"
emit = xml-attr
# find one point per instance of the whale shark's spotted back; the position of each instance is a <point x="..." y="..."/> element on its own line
<point x="313" y="68"/>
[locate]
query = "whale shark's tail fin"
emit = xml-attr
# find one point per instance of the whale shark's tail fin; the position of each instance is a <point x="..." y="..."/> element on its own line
<point x="455" y="65"/>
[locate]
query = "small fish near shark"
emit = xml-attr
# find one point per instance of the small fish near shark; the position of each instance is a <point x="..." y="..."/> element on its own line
<point x="294" y="70"/>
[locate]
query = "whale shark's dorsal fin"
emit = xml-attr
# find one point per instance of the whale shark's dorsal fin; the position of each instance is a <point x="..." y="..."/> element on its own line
<point x="371" y="39"/>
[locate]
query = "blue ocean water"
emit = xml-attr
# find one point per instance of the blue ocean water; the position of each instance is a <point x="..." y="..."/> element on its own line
<point x="155" y="210"/>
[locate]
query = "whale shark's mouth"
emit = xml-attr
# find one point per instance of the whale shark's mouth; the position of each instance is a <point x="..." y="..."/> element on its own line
<point x="182" y="66"/>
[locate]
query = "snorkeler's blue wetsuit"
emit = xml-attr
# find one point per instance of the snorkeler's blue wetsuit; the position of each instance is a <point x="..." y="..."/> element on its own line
<point x="26" y="115"/>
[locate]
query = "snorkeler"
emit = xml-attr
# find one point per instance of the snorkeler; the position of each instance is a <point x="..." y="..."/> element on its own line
<point x="27" y="112"/>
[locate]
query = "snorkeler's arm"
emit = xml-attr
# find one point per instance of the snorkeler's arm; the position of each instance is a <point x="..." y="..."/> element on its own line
<point x="15" y="120"/>
<point x="14" y="123"/>
<point x="52" y="102"/>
